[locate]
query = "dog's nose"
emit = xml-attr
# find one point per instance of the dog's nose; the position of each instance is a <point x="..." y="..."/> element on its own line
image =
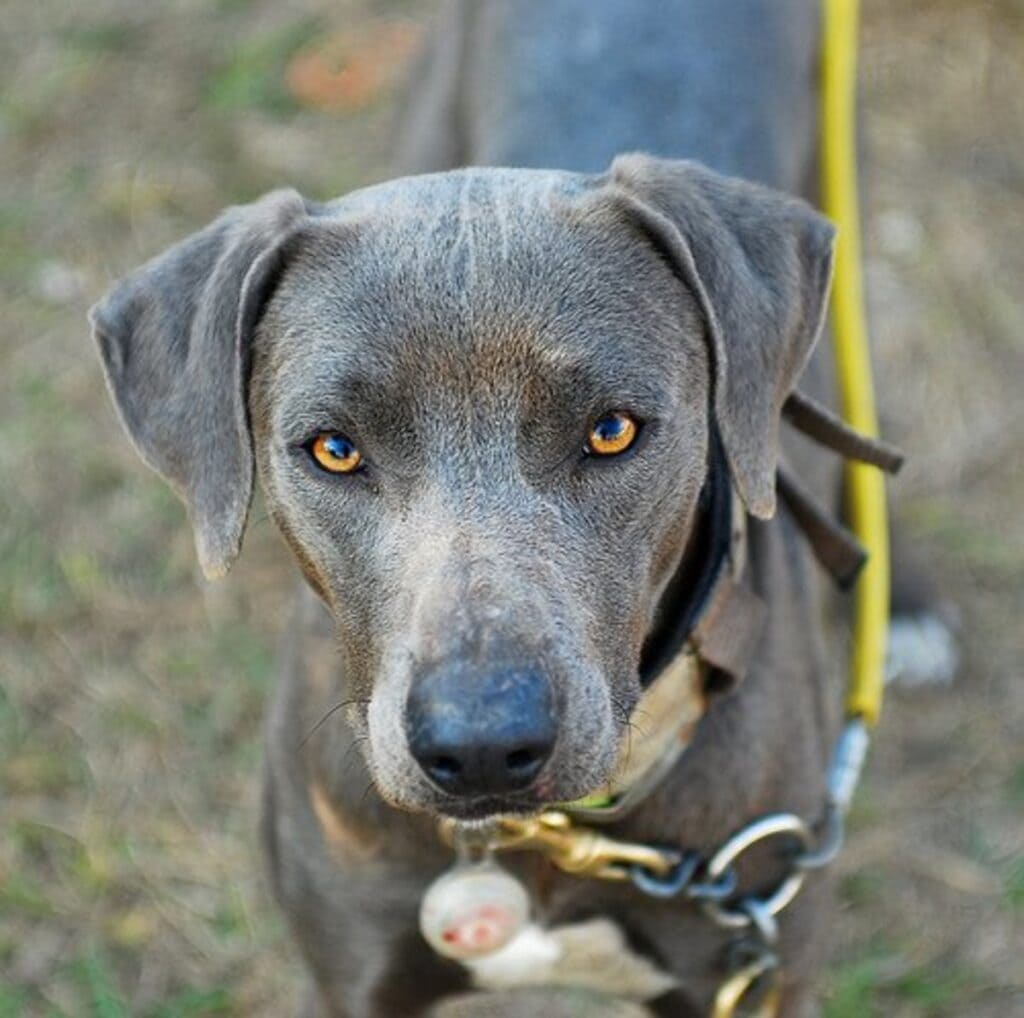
<point x="477" y="735"/>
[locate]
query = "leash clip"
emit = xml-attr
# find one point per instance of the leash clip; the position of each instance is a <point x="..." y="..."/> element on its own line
<point x="580" y="851"/>
<point x="756" y="983"/>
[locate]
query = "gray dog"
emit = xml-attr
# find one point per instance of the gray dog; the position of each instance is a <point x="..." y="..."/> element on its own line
<point x="486" y="408"/>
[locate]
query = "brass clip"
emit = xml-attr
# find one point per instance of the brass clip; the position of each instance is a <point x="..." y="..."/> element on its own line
<point x="732" y="992"/>
<point x="577" y="850"/>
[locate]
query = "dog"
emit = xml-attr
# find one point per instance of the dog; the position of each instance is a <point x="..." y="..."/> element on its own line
<point x="484" y="407"/>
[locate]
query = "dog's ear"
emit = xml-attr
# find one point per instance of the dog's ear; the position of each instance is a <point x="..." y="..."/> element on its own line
<point x="173" y="337"/>
<point x="759" y="264"/>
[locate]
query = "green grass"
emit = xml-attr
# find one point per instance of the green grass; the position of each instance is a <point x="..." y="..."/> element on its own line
<point x="93" y="980"/>
<point x="988" y="550"/>
<point x="195" y="1003"/>
<point x="250" y="74"/>
<point x="105" y="37"/>
<point x="853" y="992"/>
<point x="1015" y="885"/>
<point x="882" y="982"/>
<point x="1015" y="787"/>
<point x="94" y="975"/>
<point x="13" y="1002"/>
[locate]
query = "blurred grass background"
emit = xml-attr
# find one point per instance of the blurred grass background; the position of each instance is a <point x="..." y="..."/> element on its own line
<point x="131" y="693"/>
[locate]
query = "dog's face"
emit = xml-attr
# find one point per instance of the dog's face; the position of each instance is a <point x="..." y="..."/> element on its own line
<point x="465" y="336"/>
<point x="480" y="404"/>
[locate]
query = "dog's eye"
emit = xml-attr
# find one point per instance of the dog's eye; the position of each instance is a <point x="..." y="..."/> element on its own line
<point x="335" y="453"/>
<point x="612" y="434"/>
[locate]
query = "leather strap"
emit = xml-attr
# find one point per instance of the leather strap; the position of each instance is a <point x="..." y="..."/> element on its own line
<point x="826" y="428"/>
<point x="833" y="545"/>
<point x="727" y="633"/>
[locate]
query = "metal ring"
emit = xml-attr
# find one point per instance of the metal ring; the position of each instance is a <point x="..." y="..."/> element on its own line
<point x="714" y="890"/>
<point x="831" y="834"/>
<point x="762" y="918"/>
<point x="669" y="885"/>
<point x="771" y="826"/>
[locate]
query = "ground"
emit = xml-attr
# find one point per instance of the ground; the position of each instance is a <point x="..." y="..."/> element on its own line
<point x="131" y="692"/>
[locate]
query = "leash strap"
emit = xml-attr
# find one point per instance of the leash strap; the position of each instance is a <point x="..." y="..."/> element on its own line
<point x="865" y="488"/>
<point x="727" y="633"/>
<point x="835" y="548"/>
<point x="820" y="424"/>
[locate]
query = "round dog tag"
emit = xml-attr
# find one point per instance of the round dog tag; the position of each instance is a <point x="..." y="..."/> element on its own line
<point x="473" y="910"/>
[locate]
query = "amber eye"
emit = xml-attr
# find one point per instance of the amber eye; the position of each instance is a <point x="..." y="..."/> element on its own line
<point x="612" y="434"/>
<point x="335" y="453"/>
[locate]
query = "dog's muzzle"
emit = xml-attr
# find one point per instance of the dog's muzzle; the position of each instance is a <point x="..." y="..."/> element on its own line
<point x="478" y="735"/>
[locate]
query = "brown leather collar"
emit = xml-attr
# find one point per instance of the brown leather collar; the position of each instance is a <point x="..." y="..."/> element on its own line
<point x="723" y="622"/>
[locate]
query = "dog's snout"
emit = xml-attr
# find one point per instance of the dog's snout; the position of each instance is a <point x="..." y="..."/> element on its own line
<point x="481" y="734"/>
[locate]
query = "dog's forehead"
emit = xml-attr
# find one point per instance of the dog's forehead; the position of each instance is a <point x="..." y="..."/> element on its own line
<point x="473" y="281"/>
<point x="477" y="252"/>
<point x="453" y="238"/>
<point x="420" y="201"/>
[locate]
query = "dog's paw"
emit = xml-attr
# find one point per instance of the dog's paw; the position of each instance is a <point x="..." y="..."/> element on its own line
<point x="923" y="651"/>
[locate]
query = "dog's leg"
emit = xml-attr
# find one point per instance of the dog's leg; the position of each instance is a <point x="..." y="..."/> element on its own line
<point x="355" y="925"/>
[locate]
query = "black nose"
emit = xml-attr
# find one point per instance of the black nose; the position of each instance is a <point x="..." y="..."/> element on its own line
<point x="477" y="735"/>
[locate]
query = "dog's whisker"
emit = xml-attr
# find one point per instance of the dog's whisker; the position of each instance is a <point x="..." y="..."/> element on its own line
<point x="328" y="714"/>
<point x="353" y="753"/>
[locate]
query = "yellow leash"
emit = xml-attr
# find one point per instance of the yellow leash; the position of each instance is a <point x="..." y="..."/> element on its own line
<point x="864" y="484"/>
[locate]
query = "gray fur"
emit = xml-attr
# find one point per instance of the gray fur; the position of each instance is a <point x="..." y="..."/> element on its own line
<point x="464" y="329"/>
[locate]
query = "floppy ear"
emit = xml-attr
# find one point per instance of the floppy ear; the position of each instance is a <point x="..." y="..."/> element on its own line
<point x="173" y="337"/>
<point x="759" y="264"/>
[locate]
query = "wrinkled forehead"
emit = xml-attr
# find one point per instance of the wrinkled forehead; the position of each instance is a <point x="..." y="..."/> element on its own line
<point x="433" y="198"/>
<point x="515" y="273"/>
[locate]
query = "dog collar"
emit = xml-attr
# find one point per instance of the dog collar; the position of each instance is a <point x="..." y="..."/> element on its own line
<point x="716" y="635"/>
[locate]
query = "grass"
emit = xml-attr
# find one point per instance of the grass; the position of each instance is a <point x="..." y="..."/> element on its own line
<point x="883" y="983"/>
<point x="250" y="75"/>
<point x="92" y="982"/>
<point x="1015" y="885"/>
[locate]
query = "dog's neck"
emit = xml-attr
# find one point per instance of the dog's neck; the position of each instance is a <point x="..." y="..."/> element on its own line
<point x="687" y="593"/>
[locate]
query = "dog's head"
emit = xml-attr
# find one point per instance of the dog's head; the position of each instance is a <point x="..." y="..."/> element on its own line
<point x="480" y="406"/>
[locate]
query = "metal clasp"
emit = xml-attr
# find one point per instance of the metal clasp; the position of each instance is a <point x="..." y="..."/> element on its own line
<point x="746" y="981"/>
<point x="581" y="851"/>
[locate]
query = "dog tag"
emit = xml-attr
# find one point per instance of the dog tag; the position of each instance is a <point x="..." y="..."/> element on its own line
<point x="473" y="910"/>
